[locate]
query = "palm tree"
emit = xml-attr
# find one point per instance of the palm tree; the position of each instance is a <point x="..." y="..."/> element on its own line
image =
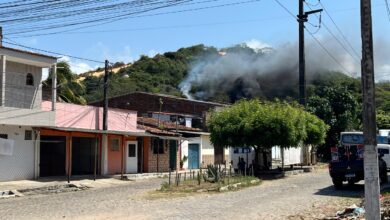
<point x="68" y="88"/>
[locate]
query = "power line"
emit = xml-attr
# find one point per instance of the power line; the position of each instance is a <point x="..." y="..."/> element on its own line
<point x="51" y="52"/>
<point x="130" y="16"/>
<point x="327" y="51"/>
<point x="387" y="9"/>
<point x="339" y="30"/>
<point x="312" y="35"/>
<point x="285" y="8"/>
<point x="80" y="12"/>
<point x="161" y="27"/>
<point x="337" y="39"/>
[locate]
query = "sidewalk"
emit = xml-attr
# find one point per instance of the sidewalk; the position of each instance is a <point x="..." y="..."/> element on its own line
<point x="83" y="181"/>
<point x="78" y="181"/>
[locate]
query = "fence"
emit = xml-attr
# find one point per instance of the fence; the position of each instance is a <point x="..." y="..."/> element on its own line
<point x="213" y="174"/>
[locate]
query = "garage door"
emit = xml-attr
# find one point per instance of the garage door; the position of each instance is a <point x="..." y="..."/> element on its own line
<point x="52" y="156"/>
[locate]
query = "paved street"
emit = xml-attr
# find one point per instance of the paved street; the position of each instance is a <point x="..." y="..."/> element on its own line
<point x="295" y="197"/>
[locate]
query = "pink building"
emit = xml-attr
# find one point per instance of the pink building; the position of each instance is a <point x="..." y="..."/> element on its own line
<point x="77" y="145"/>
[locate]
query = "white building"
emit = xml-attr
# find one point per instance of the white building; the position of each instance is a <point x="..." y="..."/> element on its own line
<point x="20" y="111"/>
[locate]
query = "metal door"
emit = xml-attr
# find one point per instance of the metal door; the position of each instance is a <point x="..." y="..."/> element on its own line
<point x="193" y="156"/>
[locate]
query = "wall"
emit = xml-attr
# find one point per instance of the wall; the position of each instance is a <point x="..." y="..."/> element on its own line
<point x="292" y="155"/>
<point x="248" y="157"/>
<point x="21" y="164"/>
<point x="207" y="150"/>
<point x="91" y="117"/>
<point x="114" y="158"/>
<point x="148" y="102"/>
<point x="27" y="117"/>
<point x="17" y="93"/>
<point x="163" y="159"/>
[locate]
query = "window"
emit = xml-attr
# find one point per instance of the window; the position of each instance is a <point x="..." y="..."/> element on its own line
<point x="114" y="144"/>
<point x="246" y="150"/>
<point x="131" y="150"/>
<point x="158" y="146"/>
<point x="236" y="150"/>
<point x="27" y="135"/>
<point x="29" y="79"/>
<point x="4" y="136"/>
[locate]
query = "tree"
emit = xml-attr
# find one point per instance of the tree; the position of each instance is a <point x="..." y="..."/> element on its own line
<point x="68" y="88"/>
<point x="338" y="108"/>
<point x="383" y="119"/>
<point x="264" y="125"/>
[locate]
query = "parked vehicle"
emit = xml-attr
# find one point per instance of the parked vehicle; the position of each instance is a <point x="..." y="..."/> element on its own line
<point x="347" y="160"/>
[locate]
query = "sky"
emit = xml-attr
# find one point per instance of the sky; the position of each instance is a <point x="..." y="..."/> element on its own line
<point x="260" y="23"/>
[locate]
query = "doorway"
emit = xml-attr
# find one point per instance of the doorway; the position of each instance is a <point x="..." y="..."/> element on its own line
<point x="131" y="157"/>
<point x="52" y="156"/>
<point x="172" y="154"/>
<point x="83" y="155"/>
<point x="193" y="156"/>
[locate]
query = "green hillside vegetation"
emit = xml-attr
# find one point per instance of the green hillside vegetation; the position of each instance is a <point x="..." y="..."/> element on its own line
<point x="332" y="96"/>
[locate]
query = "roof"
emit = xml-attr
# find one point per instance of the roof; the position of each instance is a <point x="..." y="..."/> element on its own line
<point x="156" y="131"/>
<point x="153" y="122"/>
<point x="27" y="57"/>
<point x="174" y="114"/>
<point x="29" y="52"/>
<point x="173" y="97"/>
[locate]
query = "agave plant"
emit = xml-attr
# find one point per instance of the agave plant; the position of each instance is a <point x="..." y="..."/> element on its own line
<point x="214" y="174"/>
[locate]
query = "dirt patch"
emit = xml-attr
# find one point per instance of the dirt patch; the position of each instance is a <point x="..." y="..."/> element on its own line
<point x="53" y="189"/>
<point x="191" y="187"/>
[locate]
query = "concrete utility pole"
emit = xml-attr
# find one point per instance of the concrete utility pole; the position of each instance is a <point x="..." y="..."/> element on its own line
<point x="105" y="96"/>
<point x="371" y="171"/>
<point x="302" y="18"/>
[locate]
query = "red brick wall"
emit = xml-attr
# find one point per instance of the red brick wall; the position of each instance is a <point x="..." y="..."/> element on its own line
<point x="148" y="102"/>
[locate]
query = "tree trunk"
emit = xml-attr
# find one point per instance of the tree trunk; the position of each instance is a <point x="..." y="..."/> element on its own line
<point x="256" y="162"/>
<point x="282" y="153"/>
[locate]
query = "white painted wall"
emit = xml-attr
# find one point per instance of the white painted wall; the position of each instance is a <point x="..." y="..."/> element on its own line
<point x="248" y="158"/>
<point x="21" y="164"/>
<point x="293" y="155"/>
<point x="26" y="117"/>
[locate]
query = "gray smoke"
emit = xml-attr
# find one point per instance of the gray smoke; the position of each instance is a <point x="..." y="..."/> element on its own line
<point x="245" y="73"/>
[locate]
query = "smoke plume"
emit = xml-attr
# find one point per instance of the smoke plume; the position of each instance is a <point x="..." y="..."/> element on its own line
<point x="258" y="72"/>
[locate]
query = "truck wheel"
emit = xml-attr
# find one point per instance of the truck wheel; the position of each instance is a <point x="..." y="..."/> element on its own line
<point x="351" y="182"/>
<point x="338" y="183"/>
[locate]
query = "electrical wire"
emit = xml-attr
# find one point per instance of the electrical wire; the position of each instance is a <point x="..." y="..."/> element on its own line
<point x="51" y="52"/>
<point x="340" y="32"/>
<point x="130" y="16"/>
<point x="337" y="39"/>
<point x="387" y="9"/>
<point x="330" y="55"/>
<point x="318" y="42"/>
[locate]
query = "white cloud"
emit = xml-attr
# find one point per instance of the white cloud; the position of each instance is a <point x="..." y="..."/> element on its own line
<point x="152" y="53"/>
<point x="78" y="66"/>
<point x="256" y="44"/>
<point x="104" y="52"/>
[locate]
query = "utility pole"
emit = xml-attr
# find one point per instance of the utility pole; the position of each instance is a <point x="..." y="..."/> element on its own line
<point x="105" y="98"/>
<point x="371" y="170"/>
<point x="302" y="18"/>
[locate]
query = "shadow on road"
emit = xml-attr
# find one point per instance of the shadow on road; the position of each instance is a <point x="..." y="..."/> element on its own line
<point x="351" y="191"/>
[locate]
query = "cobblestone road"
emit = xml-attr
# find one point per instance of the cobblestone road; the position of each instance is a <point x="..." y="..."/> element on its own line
<point x="302" y="196"/>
